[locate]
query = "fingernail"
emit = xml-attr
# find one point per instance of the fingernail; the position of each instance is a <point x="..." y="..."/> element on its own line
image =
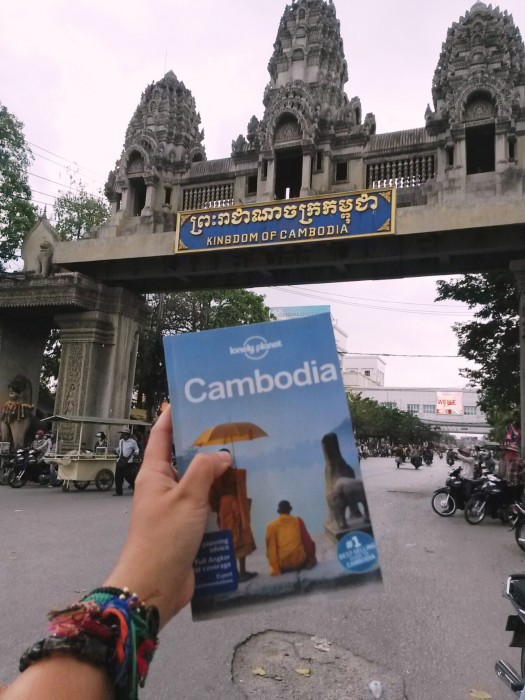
<point x="225" y="456"/>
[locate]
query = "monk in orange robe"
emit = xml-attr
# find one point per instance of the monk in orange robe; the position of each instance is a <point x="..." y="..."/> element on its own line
<point x="289" y="547"/>
<point x="229" y="499"/>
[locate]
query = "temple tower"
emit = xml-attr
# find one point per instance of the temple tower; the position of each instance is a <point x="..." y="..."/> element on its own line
<point x="309" y="124"/>
<point x="162" y="140"/>
<point x="479" y="92"/>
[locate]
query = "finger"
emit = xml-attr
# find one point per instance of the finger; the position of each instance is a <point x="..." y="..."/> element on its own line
<point x="157" y="457"/>
<point x="202" y="472"/>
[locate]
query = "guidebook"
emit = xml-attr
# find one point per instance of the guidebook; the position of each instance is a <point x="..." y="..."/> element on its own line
<point x="290" y="517"/>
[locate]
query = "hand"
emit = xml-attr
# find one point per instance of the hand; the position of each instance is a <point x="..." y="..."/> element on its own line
<point x="167" y="524"/>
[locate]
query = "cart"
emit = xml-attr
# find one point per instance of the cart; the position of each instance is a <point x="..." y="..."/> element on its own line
<point x="81" y="468"/>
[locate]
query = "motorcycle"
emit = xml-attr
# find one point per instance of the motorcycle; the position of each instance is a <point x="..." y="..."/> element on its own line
<point x="450" y="459"/>
<point x="25" y="467"/>
<point x="496" y="497"/>
<point x="428" y="458"/>
<point x="518" y="524"/>
<point x="515" y="592"/>
<point x="416" y="461"/>
<point x="455" y="494"/>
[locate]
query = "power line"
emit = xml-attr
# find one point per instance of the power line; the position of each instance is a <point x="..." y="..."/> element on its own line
<point x="61" y="158"/>
<point x="380" y="308"/>
<point x="392" y="354"/>
<point x="385" y="301"/>
<point x="54" y="182"/>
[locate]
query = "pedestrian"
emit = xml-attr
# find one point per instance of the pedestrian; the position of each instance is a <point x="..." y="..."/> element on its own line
<point x="399" y="455"/>
<point x="101" y="445"/>
<point x="125" y="468"/>
<point x="102" y="646"/>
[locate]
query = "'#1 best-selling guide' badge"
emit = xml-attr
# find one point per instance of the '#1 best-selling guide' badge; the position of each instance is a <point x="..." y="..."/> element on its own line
<point x="357" y="552"/>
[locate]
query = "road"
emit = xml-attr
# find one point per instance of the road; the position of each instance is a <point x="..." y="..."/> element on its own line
<point x="438" y="620"/>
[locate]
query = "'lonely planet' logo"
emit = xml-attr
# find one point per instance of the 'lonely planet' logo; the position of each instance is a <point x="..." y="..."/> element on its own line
<point x="256" y="347"/>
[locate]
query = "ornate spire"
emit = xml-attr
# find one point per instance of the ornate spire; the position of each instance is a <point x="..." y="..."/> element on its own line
<point x="305" y="97"/>
<point x="163" y="135"/>
<point x="484" y="54"/>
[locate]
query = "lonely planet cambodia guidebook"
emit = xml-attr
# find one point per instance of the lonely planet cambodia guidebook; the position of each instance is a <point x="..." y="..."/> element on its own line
<point x="290" y="516"/>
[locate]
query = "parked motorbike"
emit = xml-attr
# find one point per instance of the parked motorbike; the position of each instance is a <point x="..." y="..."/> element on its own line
<point x="455" y="494"/>
<point x="518" y="524"/>
<point x="515" y="592"/>
<point x="495" y="498"/>
<point x="25" y="467"/>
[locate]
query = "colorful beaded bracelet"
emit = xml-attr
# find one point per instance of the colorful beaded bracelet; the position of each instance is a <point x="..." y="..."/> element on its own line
<point x="110" y="627"/>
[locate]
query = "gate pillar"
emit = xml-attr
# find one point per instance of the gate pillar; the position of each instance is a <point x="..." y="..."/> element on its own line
<point x="97" y="365"/>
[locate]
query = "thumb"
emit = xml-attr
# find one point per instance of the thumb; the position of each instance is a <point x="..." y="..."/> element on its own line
<point x="202" y="472"/>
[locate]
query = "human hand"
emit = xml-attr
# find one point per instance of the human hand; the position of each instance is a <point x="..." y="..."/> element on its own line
<point x="167" y="524"/>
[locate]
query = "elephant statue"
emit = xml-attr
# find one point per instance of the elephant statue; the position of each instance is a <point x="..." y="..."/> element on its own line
<point x="347" y="494"/>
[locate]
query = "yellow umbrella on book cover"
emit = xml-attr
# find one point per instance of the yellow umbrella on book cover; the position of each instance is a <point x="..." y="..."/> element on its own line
<point x="224" y="433"/>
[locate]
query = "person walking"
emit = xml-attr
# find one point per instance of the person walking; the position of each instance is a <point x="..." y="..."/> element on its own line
<point x="127" y="449"/>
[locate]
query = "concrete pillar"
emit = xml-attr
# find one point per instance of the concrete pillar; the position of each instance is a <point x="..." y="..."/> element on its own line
<point x="124" y="203"/>
<point x="97" y="368"/>
<point x="148" y="205"/>
<point x="307" y="174"/>
<point x="501" y="152"/>
<point x="269" y="194"/>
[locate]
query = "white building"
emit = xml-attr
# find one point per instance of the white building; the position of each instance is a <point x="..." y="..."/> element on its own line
<point x="365" y="374"/>
<point x="284" y="313"/>
<point x="363" y="371"/>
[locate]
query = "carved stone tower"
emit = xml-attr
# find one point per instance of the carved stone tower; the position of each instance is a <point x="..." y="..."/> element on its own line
<point x="479" y="91"/>
<point x="162" y="140"/>
<point x="309" y="124"/>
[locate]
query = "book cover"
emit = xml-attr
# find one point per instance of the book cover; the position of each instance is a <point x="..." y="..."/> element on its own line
<point x="290" y="516"/>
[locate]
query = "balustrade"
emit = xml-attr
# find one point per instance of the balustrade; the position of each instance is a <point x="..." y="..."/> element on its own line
<point x="208" y="197"/>
<point x="407" y="171"/>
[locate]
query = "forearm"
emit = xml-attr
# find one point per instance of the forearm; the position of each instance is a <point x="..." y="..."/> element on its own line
<point x="60" y="677"/>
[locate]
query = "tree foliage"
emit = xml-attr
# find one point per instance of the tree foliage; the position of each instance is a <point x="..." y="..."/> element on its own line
<point x="371" y="419"/>
<point x="184" y="312"/>
<point x="491" y="340"/>
<point x="17" y="213"/>
<point x="77" y="212"/>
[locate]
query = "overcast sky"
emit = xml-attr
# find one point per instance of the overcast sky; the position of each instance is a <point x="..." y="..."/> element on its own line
<point x="74" y="72"/>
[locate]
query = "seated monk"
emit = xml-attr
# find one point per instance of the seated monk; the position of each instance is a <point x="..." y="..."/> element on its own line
<point x="229" y="499"/>
<point x="289" y="547"/>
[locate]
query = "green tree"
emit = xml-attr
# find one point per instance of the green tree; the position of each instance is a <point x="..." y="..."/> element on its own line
<point x="17" y="213"/>
<point x="491" y="340"/>
<point x="371" y="419"/>
<point x="77" y="211"/>
<point x="171" y="314"/>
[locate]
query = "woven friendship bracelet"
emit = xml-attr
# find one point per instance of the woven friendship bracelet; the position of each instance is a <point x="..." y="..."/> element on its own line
<point x="110" y="627"/>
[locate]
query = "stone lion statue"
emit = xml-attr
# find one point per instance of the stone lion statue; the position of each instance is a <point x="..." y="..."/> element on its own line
<point x="17" y="412"/>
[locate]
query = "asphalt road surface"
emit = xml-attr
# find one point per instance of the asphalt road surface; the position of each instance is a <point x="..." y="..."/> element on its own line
<point x="438" y="620"/>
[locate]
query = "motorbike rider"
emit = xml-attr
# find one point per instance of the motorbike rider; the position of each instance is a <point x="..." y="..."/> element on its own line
<point x="42" y="445"/>
<point x="428" y="453"/>
<point x="464" y="454"/>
